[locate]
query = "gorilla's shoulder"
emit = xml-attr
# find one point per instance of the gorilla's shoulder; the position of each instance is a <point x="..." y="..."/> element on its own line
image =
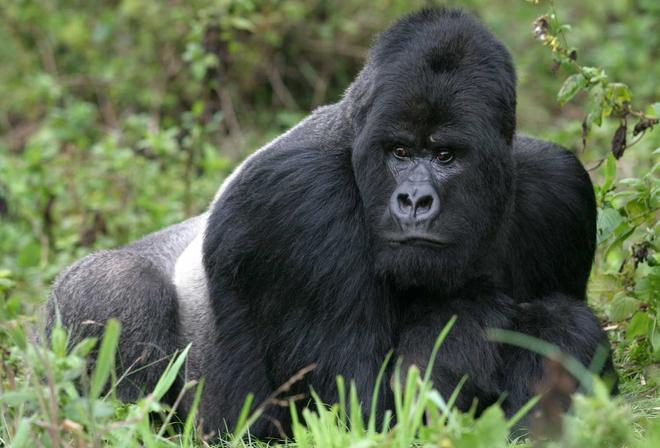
<point x="550" y="177"/>
<point x="291" y="191"/>
<point x="524" y="145"/>
<point x="295" y="169"/>
<point x="550" y="164"/>
<point x="554" y="219"/>
<point x="296" y="207"/>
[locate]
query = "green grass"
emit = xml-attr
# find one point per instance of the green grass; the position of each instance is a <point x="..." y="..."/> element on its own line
<point x="49" y="399"/>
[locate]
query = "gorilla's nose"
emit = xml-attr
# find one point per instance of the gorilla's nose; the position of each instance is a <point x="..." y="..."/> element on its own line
<point x="414" y="202"/>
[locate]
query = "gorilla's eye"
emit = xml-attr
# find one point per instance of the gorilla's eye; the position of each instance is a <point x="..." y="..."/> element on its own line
<point x="401" y="153"/>
<point x="445" y="156"/>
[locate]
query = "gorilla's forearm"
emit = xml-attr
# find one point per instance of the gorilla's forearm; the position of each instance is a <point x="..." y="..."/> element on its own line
<point x="564" y="322"/>
<point x="466" y="351"/>
<point x="498" y="370"/>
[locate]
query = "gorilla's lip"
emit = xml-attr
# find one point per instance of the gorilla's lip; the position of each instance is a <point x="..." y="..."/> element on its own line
<point x="421" y="240"/>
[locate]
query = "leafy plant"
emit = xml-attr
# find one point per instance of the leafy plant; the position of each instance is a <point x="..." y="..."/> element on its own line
<point x="628" y="269"/>
<point x="607" y="98"/>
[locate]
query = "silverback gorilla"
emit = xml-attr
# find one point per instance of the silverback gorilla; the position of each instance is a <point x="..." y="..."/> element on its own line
<point x="363" y="230"/>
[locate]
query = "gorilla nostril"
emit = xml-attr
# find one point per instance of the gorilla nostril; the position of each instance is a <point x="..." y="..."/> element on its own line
<point x="405" y="203"/>
<point x="423" y="204"/>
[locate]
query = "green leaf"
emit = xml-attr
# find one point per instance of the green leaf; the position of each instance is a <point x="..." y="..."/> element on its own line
<point x="84" y="347"/>
<point x="610" y="172"/>
<point x="16" y="398"/>
<point x="102" y="409"/>
<point x="594" y="74"/>
<point x="608" y="220"/>
<point x="638" y="326"/>
<point x="623" y="307"/>
<point x="597" y="97"/>
<point x="106" y="358"/>
<point x="22" y="435"/>
<point x="654" y="337"/>
<point x="571" y="87"/>
<point x="241" y="23"/>
<point x="619" y="92"/>
<point x="489" y="431"/>
<point x="58" y="341"/>
<point x="656" y="109"/>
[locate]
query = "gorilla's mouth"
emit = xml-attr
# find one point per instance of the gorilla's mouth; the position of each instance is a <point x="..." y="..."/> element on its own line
<point x="417" y="240"/>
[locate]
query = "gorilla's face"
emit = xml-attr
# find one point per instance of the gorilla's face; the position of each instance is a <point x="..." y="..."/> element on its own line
<point x="435" y="182"/>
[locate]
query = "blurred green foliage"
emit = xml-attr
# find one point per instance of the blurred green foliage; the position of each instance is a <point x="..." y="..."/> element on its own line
<point x="119" y="117"/>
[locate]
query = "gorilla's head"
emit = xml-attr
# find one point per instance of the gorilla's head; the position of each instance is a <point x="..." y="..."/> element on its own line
<point x="432" y="155"/>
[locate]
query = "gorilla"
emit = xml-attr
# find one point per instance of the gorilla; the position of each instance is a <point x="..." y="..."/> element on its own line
<point x="360" y="231"/>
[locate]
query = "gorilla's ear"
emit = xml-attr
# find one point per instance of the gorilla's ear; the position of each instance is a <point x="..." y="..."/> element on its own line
<point x="359" y="97"/>
<point x="508" y="89"/>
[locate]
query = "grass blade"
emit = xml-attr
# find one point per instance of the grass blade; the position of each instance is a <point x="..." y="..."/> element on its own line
<point x="241" y="426"/>
<point x="188" y="426"/>
<point x="106" y="358"/>
<point x="523" y="411"/>
<point x="436" y="347"/>
<point x="169" y="375"/>
<point x="371" y="428"/>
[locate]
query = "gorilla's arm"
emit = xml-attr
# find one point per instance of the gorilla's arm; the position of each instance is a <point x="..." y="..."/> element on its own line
<point x="564" y="322"/>
<point x="494" y="370"/>
<point x="466" y="350"/>
<point x="291" y="284"/>
<point x="553" y="240"/>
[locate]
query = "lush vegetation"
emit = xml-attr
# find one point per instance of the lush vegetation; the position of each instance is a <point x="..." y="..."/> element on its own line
<point x="121" y="117"/>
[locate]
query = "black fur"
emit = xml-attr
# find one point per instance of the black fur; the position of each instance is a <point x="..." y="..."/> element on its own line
<point x="332" y="246"/>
